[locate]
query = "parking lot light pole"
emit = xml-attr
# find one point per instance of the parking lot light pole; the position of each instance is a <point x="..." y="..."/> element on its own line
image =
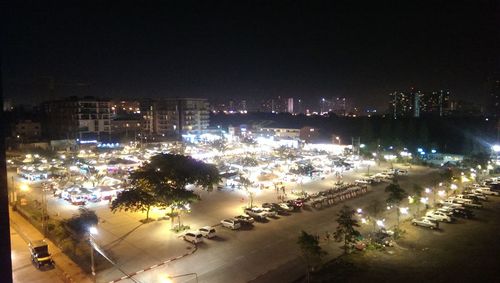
<point x="168" y="279"/>
<point x="92" y="231"/>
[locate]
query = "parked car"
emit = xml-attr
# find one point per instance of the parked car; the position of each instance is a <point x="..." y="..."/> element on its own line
<point x="245" y="219"/>
<point x="231" y="223"/>
<point x="363" y="182"/>
<point x="274" y="207"/>
<point x="193" y="237"/>
<point x="285" y="206"/>
<point x="270" y="212"/>
<point x="382" y="238"/>
<point x="446" y="210"/>
<point x="208" y="232"/>
<point x="296" y="203"/>
<point x="477" y="195"/>
<point x="464" y="213"/>
<point x="439" y="216"/>
<point x="486" y="191"/>
<point x="424" y="222"/>
<point x="257" y="213"/>
<point x="40" y="255"/>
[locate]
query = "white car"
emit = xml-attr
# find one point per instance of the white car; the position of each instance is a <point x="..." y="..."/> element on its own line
<point x="285" y="206"/>
<point x="363" y="182"/>
<point x="446" y="210"/>
<point x="193" y="237"/>
<point x="451" y="203"/>
<point x="257" y="213"/>
<point x="231" y="223"/>
<point x="207" y="232"/>
<point x="477" y="195"/>
<point x="439" y="216"/>
<point x="402" y="172"/>
<point x="486" y="191"/>
<point x="269" y="212"/>
<point x="424" y="222"/>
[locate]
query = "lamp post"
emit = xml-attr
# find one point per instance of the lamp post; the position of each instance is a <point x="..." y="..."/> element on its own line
<point x="92" y="231"/>
<point x="168" y="278"/>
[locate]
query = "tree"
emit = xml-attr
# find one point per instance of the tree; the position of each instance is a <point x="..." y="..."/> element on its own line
<point x="346" y="227"/>
<point x="162" y="182"/>
<point x="80" y="223"/>
<point x="141" y="197"/>
<point x="375" y="210"/>
<point x="396" y="195"/>
<point x="417" y="195"/>
<point x="246" y="184"/>
<point x="310" y="250"/>
<point x="446" y="175"/>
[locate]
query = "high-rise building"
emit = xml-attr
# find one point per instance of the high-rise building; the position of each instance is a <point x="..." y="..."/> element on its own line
<point x="435" y="103"/>
<point x="494" y="98"/>
<point x="85" y="118"/>
<point x="400" y="104"/>
<point x="174" y="116"/>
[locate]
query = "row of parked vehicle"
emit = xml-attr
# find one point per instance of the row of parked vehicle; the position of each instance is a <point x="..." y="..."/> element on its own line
<point x="460" y="205"/>
<point x="272" y="210"/>
<point x="260" y="214"/>
<point x="385" y="176"/>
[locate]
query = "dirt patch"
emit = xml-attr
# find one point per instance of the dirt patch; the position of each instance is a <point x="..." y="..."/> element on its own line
<point x="465" y="251"/>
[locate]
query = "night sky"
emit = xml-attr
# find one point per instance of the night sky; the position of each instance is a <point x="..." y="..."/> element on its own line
<point x="248" y="49"/>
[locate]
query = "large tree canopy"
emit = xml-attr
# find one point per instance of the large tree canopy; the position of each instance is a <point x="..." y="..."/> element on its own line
<point x="162" y="182"/>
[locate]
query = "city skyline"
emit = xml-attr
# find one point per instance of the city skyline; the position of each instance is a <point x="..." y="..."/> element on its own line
<point x="248" y="51"/>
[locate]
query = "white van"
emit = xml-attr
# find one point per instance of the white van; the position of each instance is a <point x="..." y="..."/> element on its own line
<point x="194" y="237"/>
<point x="207" y="232"/>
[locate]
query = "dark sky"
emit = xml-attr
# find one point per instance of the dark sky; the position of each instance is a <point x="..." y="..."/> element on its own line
<point x="248" y="49"/>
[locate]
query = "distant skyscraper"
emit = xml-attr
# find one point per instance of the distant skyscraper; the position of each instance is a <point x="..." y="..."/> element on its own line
<point x="290" y="108"/>
<point x="400" y="104"/>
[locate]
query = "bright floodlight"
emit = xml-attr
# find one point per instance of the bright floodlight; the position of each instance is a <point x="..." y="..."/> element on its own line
<point x="93" y="230"/>
<point x="496" y="148"/>
<point x="24" y="187"/>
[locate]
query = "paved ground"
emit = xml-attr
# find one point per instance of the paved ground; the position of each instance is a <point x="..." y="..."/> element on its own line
<point x="265" y="254"/>
<point x="22" y="232"/>
<point x="242" y="256"/>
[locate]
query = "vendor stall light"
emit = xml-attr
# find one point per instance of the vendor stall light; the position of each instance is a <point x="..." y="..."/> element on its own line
<point x="496" y="148"/>
<point x="453" y="187"/>
<point x="424" y="200"/>
<point x="388" y="207"/>
<point x="441" y="193"/>
<point x="433" y="151"/>
<point x="403" y="210"/>
<point x="363" y="220"/>
<point x="359" y="210"/>
<point x="410" y="199"/>
<point x="380" y="223"/>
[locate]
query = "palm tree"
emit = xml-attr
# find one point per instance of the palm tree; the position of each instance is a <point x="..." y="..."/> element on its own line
<point x="346" y="227"/>
<point x="246" y="184"/>
<point x="311" y="251"/>
<point x="396" y="195"/>
<point x="417" y="195"/>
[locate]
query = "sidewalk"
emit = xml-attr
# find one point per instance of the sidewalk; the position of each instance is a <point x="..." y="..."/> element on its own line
<point x="67" y="269"/>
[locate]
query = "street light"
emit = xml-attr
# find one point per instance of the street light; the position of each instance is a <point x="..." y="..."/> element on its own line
<point x="168" y="278"/>
<point x="92" y="231"/>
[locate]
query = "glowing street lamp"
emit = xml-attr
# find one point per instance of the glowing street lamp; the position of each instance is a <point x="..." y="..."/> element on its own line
<point x="496" y="148"/>
<point x="24" y="187"/>
<point x="92" y="231"/>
